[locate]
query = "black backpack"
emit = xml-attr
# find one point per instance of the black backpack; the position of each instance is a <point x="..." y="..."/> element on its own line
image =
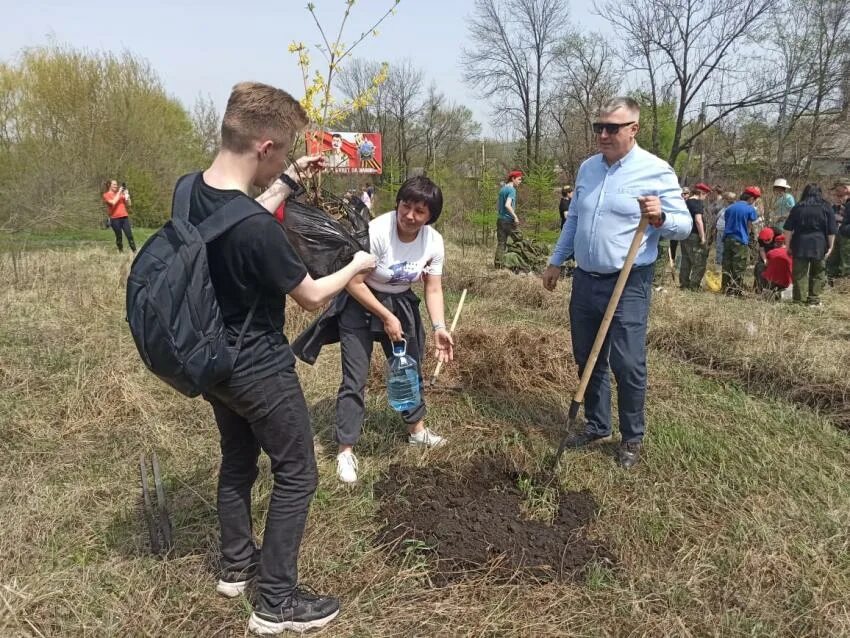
<point x="171" y="304"/>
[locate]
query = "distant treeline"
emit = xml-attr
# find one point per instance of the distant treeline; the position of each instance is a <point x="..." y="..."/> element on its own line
<point x="70" y="120"/>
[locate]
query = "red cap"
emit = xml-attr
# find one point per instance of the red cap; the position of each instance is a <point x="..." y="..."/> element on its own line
<point x="766" y="235"/>
<point x="755" y="191"/>
<point x="705" y="188"/>
<point x="513" y="174"/>
<point x="779" y="240"/>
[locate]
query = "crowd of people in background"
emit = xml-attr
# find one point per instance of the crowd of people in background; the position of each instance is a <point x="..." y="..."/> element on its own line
<point x="795" y="246"/>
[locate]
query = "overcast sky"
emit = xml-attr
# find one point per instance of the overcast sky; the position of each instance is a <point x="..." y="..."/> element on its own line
<point x="203" y="48"/>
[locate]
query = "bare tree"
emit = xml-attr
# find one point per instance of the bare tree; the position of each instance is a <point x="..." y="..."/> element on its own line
<point x="696" y="46"/>
<point x="404" y="89"/>
<point x="830" y="47"/>
<point x="355" y="79"/>
<point x="207" y="124"/>
<point x="444" y="126"/>
<point x="586" y="78"/>
<point x="512" y="45"/>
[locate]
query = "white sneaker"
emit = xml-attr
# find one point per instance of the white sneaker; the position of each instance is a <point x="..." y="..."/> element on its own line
<point x="346" y="467"/>
<point x="426" y="438"/>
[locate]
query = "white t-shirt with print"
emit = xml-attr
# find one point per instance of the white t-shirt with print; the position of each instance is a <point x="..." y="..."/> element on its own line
<point x="401" y="264"/>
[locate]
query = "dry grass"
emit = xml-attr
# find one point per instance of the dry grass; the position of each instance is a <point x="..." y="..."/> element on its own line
<point x="798" y="353"/>
<point x="735" y="525"/>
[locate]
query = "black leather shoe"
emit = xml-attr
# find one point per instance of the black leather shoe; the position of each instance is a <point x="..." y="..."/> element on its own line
<point x="584" y="440"/>
<point x="628" y="455"/>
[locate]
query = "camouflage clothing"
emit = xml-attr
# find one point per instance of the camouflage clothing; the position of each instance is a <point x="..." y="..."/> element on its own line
<point x="694" y="258"/>
<point x="734" y="266"/>
<point x="809" y="279"/>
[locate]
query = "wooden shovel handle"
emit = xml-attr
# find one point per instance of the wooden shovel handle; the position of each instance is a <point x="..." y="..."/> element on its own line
<point x="451" y="331"/>
<point x="611" y="309"/>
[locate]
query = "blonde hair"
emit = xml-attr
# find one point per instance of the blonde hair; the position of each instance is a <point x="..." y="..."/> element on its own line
<point x="257" y="111"/>
<point x="729" y="197"/>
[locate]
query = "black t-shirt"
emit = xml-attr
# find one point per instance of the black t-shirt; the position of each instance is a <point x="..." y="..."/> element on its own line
<point x="564" y="206"/>
<point x="252" y="259"/>
<point x="811" y="224"/>
<point x="695" y="207"/>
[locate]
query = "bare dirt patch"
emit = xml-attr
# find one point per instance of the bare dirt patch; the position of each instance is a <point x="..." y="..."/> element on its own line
<point x="486" y="516"/>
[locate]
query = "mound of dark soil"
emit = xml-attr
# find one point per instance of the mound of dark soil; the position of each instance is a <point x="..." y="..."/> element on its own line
<point x="474" y="519"/>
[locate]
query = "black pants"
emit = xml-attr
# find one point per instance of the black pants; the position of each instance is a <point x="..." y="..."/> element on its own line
<point x="356" y="339"/>
<point x="268" y="414"/>
<point x="122" y="224"/>
<point x="504" y="229"/>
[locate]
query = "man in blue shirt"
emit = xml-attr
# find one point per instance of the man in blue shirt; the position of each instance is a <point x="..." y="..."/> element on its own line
<point x="613" y="190"/>
<point x="507" y="221"/>
<point x="736" y="239"/>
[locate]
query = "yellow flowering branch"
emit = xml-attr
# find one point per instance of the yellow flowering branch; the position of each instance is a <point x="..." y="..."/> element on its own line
<point x="318" y="100"/>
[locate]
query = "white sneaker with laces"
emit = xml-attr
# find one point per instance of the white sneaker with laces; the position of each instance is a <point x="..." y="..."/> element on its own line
<point x="346" y="467"/>
<point x="426" y="438"/>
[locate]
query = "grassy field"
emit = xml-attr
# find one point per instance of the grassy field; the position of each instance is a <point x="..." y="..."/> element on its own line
<point x="736" y="523"/>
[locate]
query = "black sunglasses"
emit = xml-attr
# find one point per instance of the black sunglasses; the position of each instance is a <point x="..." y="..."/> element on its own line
<point x="611" y="129"/>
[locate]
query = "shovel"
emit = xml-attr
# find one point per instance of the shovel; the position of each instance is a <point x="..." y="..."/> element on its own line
<point x="578" y="399"/>
<point x="433" y="381"/>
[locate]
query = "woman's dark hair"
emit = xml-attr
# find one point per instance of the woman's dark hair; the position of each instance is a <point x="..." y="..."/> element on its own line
<point x="421" y="189"/>
<point x="812" y="194"/>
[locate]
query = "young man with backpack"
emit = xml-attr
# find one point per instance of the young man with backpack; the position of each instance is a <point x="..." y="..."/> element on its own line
<point x="258" y="404"/>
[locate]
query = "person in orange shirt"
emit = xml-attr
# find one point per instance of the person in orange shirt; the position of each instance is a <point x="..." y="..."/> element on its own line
<point x="117" y="199"/>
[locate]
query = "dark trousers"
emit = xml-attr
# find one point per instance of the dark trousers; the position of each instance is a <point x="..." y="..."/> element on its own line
<point x="504" y="229"/>
<point x="734" y="266"/>
<point x="809" y="279"/>
<point x="694" y="258"/>
<point x="838" y="263"/>
<point x="623" y="352"/>
<point x="759" y="284"/>
<point x="119" y="225"/>
<point x="356" y="340"/>
<point x="270" y="415"/>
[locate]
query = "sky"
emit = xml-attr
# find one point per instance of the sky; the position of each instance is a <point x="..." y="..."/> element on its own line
<point x="201" y="49"/>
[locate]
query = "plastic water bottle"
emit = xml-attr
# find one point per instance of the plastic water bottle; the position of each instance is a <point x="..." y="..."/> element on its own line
<point x="402" y="379"/>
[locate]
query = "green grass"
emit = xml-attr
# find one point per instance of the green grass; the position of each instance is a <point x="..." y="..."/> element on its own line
<point x="66" y="238"/>
<point x="735" y="524"/>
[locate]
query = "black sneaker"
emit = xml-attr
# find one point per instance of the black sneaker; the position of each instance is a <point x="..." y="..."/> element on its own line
<point x="628" y="455"/>
<point x="585" y="440"/>
<point x="234" y="582"/>
<point x="302" y="611"/>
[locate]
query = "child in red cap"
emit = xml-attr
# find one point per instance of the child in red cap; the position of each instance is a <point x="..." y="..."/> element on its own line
<point x="777" y="272"/>
<point x="766" y="243"/>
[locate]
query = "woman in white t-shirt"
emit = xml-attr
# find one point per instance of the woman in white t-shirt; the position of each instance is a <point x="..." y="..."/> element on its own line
<point x="383" y="308"/>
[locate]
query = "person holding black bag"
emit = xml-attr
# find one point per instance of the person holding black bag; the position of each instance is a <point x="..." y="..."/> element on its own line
<point x="253" y="268"/>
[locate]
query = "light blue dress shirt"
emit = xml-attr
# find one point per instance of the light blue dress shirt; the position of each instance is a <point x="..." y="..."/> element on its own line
<point x="605" y="212"/>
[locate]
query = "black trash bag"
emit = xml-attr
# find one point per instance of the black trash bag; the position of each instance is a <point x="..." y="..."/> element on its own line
<point x="324" y="242"/>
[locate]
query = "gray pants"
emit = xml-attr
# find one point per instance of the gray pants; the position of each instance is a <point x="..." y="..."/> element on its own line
<point x="356" y="340"/>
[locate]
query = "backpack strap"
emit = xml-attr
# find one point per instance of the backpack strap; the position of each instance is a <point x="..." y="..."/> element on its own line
<point x="183" y="196"/>
<point x="235" y="211"/>
<point x="232" y="213"/>
<point x="247" y="323"/>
